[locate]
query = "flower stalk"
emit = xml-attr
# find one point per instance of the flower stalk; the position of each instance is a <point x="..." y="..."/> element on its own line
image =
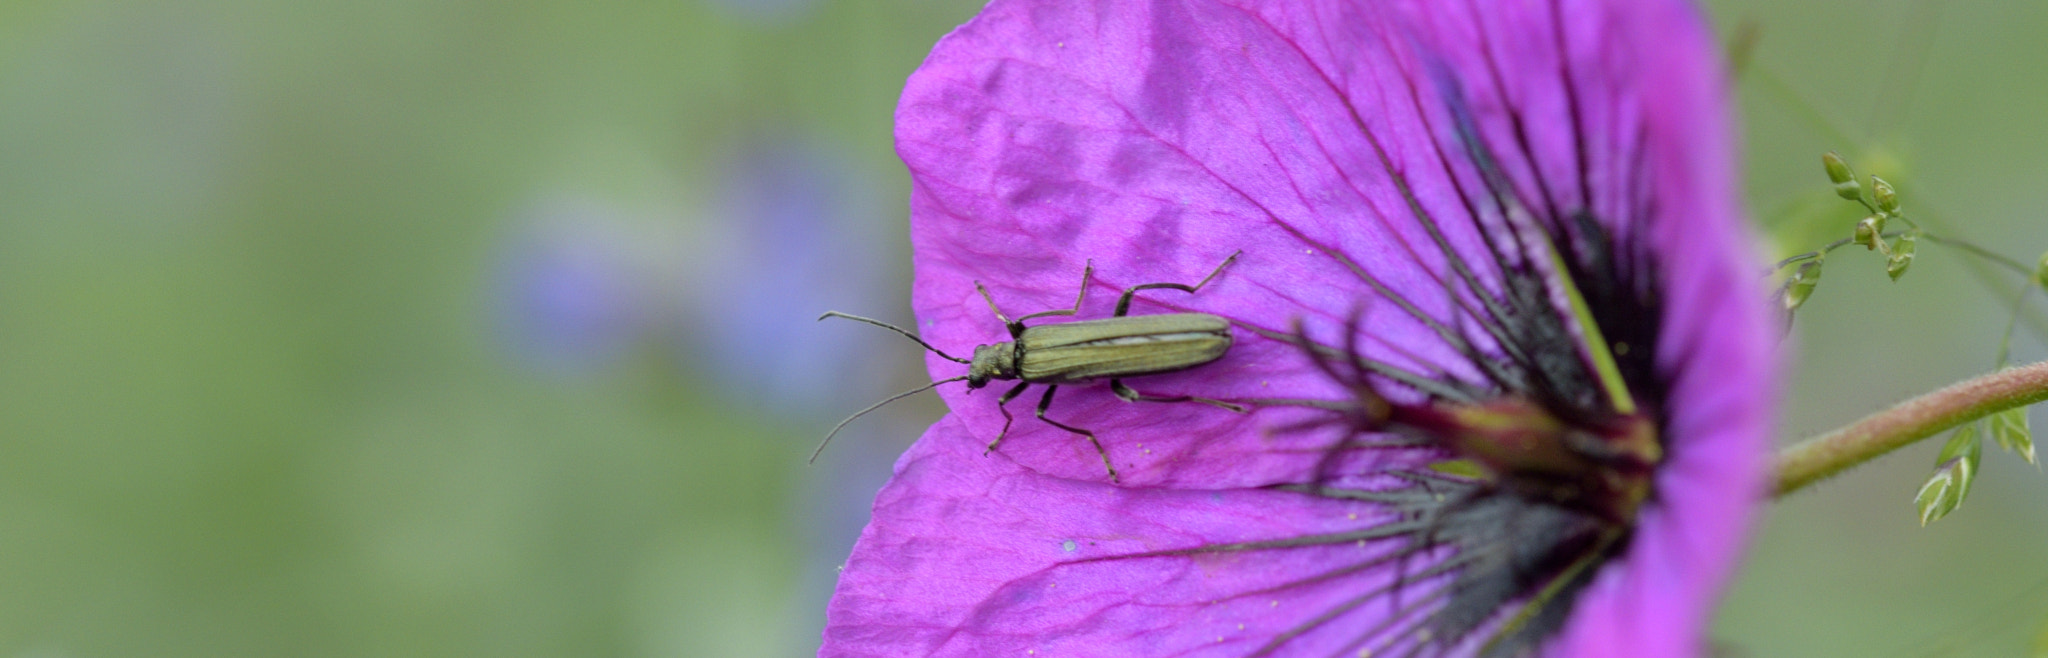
<point x="1823" y="456"/>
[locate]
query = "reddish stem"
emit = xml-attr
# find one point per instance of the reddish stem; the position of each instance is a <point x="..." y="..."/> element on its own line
<point x="1823" y="456"/>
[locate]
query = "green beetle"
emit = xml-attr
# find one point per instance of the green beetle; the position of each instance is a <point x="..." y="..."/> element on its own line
<point x="1112" y="348"/>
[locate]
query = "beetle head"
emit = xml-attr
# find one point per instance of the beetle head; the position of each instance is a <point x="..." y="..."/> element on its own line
<point x="996" y="361"/>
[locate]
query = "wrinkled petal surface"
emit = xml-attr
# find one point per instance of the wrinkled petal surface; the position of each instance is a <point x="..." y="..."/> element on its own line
<point x="1003" y="554"/>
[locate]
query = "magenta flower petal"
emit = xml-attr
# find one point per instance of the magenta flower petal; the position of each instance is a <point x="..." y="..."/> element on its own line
<point x="982" y="557"/>
<point x="1156" y="144"/>
<point x="1441" y="180"/>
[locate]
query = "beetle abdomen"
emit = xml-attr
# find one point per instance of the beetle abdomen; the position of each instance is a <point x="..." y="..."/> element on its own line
<point x="1121" y="347"/>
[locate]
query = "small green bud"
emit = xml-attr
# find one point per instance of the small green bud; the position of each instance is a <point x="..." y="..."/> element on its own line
<point x="1843" y="177"/>
<point x="1954" y="470"/>
<point x="1902" y="255"/>
<point x="2041" y="272"/>
<point x="1887" y="198"/>
<point x="1941" y="493"/>
<point x="1838" y="169"/>
<point x="1870" y="232"/>
<point x="1800" y="285"/>
<point x="2009" y="429"/>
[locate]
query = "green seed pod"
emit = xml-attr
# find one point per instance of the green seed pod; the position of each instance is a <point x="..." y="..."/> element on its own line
<point x="1902" y="256"/>
<point x="1886" y="197"/>
<point x="1843" y="177"/>
<point x="1870" y="232"/>
<point x="1800" y="285"/>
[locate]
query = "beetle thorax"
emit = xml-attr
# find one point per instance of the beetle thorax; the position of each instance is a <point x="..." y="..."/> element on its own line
<point x="995" y="361"/>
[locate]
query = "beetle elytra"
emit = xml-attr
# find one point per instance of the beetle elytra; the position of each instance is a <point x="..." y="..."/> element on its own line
<point x="1111" y="348"/>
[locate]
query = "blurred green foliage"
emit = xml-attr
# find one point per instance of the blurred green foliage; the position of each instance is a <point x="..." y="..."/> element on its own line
<point x="254" y="401"/>
<point x="252" y="398"/>
<point x="1943" y="100"/>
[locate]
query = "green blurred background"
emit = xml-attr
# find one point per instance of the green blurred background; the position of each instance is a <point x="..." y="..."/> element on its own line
<point x="1948" y="100"/>
<point x="395" y="328"/>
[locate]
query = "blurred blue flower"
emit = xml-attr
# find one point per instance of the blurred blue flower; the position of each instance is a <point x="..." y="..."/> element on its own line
<point x="799" y="233"/>
<point x="567" y="296"/>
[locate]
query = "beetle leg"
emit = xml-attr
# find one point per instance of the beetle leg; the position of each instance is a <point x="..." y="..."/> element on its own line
<point x="1016" y="328"/>
<point x="1046" y="402"/>
<point x="1123" y="304"/>
<point x="1007" y="397"/>
<point x="1087" y="271"/>
<point x="1131" y="395"/>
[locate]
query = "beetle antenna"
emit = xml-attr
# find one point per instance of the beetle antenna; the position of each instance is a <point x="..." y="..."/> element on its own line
<point x="877" y="405"/>
<point x="891" y="327"/>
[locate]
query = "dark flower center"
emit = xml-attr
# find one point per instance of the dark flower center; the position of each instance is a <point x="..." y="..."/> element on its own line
<point x="1541" y="467"/>
<point x="1601" y="470"/>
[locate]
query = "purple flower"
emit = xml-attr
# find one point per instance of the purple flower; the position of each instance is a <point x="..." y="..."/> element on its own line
<point x="1508" y="234"/>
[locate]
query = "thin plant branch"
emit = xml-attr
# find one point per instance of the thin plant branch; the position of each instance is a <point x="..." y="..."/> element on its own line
<point x="1823" y="456"/>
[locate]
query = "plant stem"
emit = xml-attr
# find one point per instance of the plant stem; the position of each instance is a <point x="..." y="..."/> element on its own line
<point x="1823" y="456"/>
